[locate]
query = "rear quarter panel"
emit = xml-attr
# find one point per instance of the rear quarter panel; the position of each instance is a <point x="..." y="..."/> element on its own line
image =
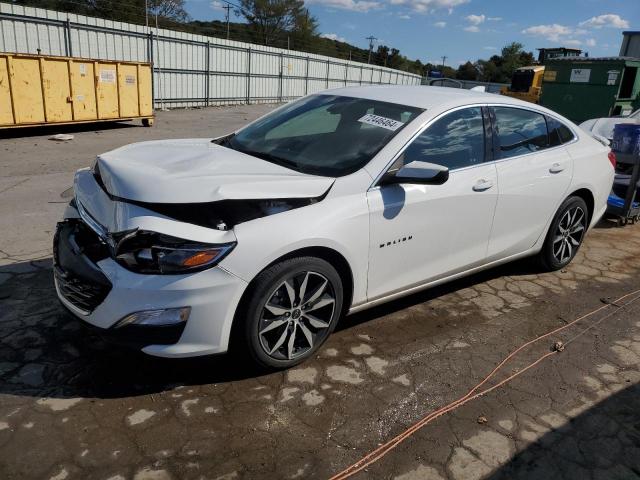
<point x="592" y="170"/>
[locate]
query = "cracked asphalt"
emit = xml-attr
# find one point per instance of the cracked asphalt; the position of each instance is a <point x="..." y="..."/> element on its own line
<point x="72" y="406"/>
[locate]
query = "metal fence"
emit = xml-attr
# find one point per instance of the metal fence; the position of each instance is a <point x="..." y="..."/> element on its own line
<point x="189" y="70"/>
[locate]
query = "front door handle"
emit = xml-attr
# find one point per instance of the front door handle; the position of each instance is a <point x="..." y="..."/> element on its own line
<point x="556" y="168"/>
<point x="482" y="185"/>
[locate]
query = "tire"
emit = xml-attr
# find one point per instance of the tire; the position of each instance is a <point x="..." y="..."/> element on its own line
<point x="147" y="122"/>
<point x="273" y="313"/>
<point x="562" y="243"/>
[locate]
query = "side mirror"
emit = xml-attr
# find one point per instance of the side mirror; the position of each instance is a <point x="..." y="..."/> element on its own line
<point x="421" y="173"/>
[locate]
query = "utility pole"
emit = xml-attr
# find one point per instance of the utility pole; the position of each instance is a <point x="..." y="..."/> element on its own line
<point x="444" y="57"/>
<point x="228" y="9"/>
<point x="371" y="40"/>
<point x="146" y="13"/>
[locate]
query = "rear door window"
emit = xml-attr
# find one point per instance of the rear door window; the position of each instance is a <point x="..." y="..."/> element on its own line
<point x="559" y="133"/>
<point x="519" y="131"/>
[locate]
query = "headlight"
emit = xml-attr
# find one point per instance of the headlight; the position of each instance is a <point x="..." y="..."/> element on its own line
<point x="150" y="252"/>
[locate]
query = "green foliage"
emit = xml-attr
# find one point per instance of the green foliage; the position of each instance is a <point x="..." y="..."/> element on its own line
<point x="467" y="71"/>
<point x="500" y="68"/>
<point x="270" y="19"/>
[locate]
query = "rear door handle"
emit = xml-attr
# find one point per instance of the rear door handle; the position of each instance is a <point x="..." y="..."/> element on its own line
<point x="482" y="185"/>
<point x="556" y="168"/>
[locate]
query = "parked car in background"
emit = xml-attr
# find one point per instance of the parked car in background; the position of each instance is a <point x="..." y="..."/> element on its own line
<point x="326" y="206"/>
<point x="603" y="127"/>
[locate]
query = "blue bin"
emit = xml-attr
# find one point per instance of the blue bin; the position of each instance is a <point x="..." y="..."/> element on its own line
<point x="617" y="202"/>
<point x="626" y="139"/>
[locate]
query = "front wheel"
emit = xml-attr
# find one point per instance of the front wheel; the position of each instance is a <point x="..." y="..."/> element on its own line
<point x="565" y="234"/>
<point x="293" y="307"/>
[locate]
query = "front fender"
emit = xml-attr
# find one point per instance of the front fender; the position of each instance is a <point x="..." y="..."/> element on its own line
<point x="340" y="224"/>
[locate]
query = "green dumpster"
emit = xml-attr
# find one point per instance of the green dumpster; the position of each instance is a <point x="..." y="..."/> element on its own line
<point x="584" y="88"/>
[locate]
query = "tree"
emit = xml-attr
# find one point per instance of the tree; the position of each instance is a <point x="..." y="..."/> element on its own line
<point x="500" y="68"/>
<point x="269" y="19"/>
<point x="379" y="57"/>
<point x="514" y="57"/>
<point x="304" y="29"/>
<point x="169" y="9"/>
<point x="467" y="71"/>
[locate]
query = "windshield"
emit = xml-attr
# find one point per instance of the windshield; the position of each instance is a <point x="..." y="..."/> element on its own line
<point x="324" y="134"/>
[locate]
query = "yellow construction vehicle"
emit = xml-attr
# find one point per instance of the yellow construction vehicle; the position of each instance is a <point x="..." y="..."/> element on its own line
<point x="526" y="84"/>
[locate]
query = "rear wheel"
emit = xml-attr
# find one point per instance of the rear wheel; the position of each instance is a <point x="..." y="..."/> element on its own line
<point x="293" y="307"/>
<point x="565" y="234"/>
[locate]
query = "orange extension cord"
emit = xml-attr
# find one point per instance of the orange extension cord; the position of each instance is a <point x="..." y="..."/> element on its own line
<point x="385" y="448"/>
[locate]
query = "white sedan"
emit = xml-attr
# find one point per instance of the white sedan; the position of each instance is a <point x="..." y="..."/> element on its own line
<point x="603" y="127"/>
<point x="264" y="238"/>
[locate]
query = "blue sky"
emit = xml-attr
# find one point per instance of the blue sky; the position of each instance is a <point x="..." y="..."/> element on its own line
<point x="467" y="29"/>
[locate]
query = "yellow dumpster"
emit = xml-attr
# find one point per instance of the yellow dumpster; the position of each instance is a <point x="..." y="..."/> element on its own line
<point x="43" y="90"/>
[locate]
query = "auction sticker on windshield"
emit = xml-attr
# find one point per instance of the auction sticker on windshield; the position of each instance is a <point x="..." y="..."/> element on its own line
<point x="379" y="121"/>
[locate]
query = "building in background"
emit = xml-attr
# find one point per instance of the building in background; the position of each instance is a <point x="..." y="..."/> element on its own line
<point x="559" y="52"/>
<point x="630" y="44"/>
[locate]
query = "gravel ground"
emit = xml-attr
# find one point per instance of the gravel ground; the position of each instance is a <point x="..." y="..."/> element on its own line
<point x="72" y="406"/>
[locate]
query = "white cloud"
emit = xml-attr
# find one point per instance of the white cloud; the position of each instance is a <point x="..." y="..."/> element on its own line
<point x="426" y="6"/>
<point x="216" y="5"/>
<point x="590" y="42"/>
<point x="355" y="5"/>
<point x="607" y="20"/>
<point x="491" y="49"/>
<point x="552" y="32"/>
<point x="475" y="19"/>
<point x="572" y="42"/>
<point x="474" y="22"/>
<point x="333" y="36"/>
<point x="404" y="17"/>
<point x="440" y="24"/>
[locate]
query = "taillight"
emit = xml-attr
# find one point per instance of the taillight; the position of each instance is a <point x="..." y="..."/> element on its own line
<point x="612" y="159"/>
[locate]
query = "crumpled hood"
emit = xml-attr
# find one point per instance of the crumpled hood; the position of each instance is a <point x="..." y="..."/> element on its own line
<point x="197" y="170"/>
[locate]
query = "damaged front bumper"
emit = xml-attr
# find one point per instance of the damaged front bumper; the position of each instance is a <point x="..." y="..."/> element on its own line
<point x="101" y="292"/>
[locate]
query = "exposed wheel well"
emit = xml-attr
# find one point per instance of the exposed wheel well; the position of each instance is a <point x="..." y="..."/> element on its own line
<point x="587" y="196"/>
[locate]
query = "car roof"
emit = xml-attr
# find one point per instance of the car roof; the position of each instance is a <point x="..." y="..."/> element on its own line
<point x="428" y="97"/>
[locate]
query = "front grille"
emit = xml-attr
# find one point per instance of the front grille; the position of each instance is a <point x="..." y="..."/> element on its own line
<point x="76" y="252"/>
<point x="81" y="293"/>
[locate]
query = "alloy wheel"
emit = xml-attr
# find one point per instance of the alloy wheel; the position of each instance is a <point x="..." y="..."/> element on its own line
<point x="569" y="233"/>
<point x="297" y="315"/>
